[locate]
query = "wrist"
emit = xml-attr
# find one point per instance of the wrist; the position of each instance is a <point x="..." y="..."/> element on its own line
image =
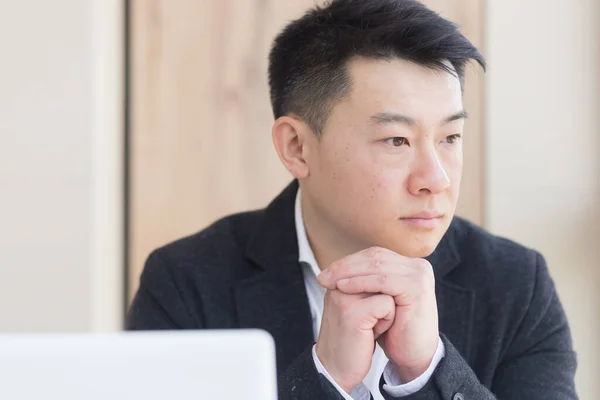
<point x="409" y="374"/>
<point x="332" y="373"/>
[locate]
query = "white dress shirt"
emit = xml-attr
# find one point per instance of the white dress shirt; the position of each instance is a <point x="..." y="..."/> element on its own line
<point x="380" y="364"/>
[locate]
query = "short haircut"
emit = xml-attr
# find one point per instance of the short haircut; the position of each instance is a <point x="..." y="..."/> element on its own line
<point x="308" y="61"/>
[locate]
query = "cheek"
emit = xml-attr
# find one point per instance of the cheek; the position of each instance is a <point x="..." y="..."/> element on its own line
<point x="359" y="180"/>
<point x="453" y="165"/>
<point x="392" y="181"/>
<point x="362" y="176"/>
<point x="384" y="187"/>
<point x="456" y="170"/>
<point x="345" y="163"/>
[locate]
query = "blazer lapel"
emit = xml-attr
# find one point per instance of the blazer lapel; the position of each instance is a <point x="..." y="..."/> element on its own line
<point x="274" y="298"/>
<point x="455" y="313"/>
<point x="455" y="303"/>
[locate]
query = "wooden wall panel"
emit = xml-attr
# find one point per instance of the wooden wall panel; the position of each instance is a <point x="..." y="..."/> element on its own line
<point x="200" y="115"/>
<point x="201" y="120"/>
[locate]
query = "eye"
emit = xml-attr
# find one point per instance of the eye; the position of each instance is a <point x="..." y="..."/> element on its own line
<point x="396" y="141"/>
<point x="453" y="138"/>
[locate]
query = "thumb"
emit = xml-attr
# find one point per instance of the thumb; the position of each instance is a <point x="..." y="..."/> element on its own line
<point x="382" y="326"/>
<point x="383" y="309"/>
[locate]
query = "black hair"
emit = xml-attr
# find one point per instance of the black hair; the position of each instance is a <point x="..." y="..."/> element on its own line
<point x="307" y="63"/>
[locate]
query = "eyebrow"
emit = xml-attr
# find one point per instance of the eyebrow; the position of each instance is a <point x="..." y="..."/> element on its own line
<point x="387" y="118"/>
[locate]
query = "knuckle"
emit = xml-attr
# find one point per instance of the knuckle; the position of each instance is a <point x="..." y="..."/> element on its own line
<point x="424" y="280"/>
<point x="428" y="270"/>
<point x="424" y="267"/>
<point x="385" y="302"/>
<point x="372" y="252"/>
<point x="332" y="268"/>
<point x="380" y="251"/>
<point x="391" y="303"/>
<point x="423" y="264"/>
<point x="374" y="266"/>
<point x="382" y="280"/>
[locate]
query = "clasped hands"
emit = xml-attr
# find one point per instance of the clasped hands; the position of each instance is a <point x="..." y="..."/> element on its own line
<point x="377" y="295"/>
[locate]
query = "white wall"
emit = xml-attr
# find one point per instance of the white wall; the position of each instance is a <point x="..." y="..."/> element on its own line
<point x="59" y="143"/>
<point x="543" y="150"/>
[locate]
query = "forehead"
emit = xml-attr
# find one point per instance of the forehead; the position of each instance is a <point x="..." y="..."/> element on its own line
<point x="398" y="85"/>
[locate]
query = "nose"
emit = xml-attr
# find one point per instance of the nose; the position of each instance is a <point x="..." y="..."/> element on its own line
<point x="428" y="175"/>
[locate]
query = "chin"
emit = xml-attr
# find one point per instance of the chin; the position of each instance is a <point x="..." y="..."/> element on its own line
<point x="417" y="245"/>
<point x="421" y="243"/>
<point x="421" y="251"/>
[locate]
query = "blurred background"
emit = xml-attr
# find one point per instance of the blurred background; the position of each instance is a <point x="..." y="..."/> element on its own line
<point x="127" y="124"/>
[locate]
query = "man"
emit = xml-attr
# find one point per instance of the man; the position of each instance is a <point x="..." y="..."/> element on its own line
<point x="369" y="285"/>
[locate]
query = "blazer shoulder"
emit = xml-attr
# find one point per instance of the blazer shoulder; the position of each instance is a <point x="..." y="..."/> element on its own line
<point x="510" y="281"/>
<point x="495" y="258"/>
<point x="221" y="243"/>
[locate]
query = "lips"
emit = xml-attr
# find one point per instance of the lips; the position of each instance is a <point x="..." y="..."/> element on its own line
<point x="425" y="215"/>
<point x="424" y="219"/>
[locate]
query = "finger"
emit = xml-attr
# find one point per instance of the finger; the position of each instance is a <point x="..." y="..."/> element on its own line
<point x="392" y="285"/>
<point x="357" y="261"/>
<point x="368" y="312"/>
<point x="400" y="266"/>
<point x="368" y="262"/>
<point x="382" y="327"/>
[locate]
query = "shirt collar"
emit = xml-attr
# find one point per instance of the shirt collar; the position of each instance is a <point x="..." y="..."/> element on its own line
<point x="305" y="253"/>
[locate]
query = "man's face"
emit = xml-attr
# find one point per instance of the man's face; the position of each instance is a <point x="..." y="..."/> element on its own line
<point x="387" y="170"/>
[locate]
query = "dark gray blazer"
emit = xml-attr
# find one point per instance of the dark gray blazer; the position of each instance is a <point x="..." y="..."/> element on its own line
<point x="503" y="326"/>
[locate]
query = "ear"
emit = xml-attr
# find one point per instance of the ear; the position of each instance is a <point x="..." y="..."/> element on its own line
<point x="290" y="140"/>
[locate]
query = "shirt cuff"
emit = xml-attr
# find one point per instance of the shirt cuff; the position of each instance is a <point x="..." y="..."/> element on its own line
<point x="360" y="392"/>
<point x="394" y="386"/>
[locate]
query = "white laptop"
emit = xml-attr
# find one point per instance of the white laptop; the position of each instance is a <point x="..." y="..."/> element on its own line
<point x="173" y="365"/>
